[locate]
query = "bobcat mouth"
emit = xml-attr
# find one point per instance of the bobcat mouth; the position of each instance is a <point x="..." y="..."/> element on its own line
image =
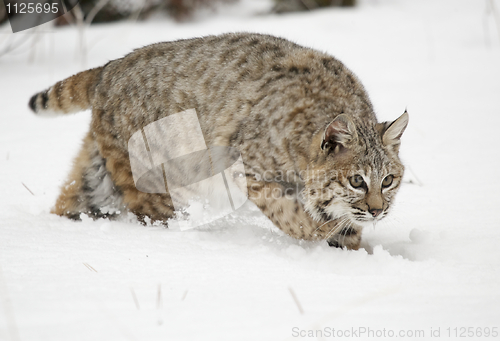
<point x="365" y="218"/>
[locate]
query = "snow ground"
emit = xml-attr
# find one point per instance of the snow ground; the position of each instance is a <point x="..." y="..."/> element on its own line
<point x="433" y="265"/>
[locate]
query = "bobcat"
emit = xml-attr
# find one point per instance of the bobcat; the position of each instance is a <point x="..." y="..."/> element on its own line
<point x="317" y="163"/>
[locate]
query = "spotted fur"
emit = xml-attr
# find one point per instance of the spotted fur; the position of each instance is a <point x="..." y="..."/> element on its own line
<point x="301" y="120"/>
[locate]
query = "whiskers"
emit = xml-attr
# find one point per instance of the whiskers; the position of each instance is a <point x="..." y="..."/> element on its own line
<point x="344" y="235"/>
<point x="317" y="228"/>
<point x="340" y="225"/>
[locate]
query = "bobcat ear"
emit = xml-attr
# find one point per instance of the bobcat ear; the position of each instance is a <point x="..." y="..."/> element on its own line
<point x="338" y="134"/>
<point x="393" y="131"/>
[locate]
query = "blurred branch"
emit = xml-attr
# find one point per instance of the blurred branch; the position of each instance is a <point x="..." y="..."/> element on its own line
<point x="80" y="25"/>
<point x="282" y="6"/>
<point x="490" y="9"/>
<point x="86" y="12"/>
<point x="3" y="13"/>
<point x="310" y="4"/>
<point x="67" y="15"/>
<point x="99" y="6"/>
<point x="77" y="17"/>
<point x="496" y="15"/>
<point x="13" y="46"/>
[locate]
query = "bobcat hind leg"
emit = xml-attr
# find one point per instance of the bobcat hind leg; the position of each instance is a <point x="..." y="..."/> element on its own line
<point x="158" y="207"/>
<point x="89" y="188"/>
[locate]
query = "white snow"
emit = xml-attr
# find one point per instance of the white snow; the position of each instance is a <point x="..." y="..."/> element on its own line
<point x="432" y="265"/>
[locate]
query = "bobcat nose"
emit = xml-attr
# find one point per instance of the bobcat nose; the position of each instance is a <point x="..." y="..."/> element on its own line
<point x="375" y="212"/>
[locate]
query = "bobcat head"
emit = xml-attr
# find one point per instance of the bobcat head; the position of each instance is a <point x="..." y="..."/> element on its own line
<point x="355" y="172"/>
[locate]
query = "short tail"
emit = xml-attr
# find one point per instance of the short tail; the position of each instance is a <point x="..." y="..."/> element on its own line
<point x="67" y="96"/>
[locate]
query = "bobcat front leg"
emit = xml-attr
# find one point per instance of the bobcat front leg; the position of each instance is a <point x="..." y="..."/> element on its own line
<point x="288" y="214"/>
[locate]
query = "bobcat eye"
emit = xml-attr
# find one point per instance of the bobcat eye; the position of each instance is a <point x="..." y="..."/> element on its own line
<point x="356" y="181"/>
<point x="387" y="181"/>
